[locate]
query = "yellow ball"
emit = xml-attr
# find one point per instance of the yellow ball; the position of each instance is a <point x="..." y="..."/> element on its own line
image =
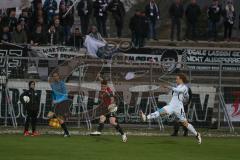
<point x="54" y="123"/>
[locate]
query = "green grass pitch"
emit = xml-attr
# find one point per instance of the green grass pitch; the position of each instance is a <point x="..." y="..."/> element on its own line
<point x="17" y="147"/>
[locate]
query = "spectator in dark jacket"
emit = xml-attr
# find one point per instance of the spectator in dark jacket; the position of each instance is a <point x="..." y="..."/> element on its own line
<point x="139" y="28"/>
<point x="76" y="39"/>
<point x="152" y="13"/>
<point x="214" y="15"/>
<point x="176" y="12"/>
<point x="118" y="12"/>
<point x="66" y="17"/>
<point x="59" y="32"/>
<point x="229" y="19"/>
<point x="11" y="20"/>
<point x="100" y="13"/>
<point x="5" y="34"/>
<point x="38" y="37"/>
<point x="192" y="15"/>
<point x="84" y="8"/>
<point x="50" y="7"/>
<point x="19" y="35"/>
<point x="26" y="28"/>
<point x="31" y="99"/>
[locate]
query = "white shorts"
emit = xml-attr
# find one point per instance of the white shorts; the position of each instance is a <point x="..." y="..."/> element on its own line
<point x="176" y="110"/>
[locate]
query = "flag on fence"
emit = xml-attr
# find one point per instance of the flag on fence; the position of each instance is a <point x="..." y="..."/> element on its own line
<point x="14" y="3"/>
<point x="93" y="45"/>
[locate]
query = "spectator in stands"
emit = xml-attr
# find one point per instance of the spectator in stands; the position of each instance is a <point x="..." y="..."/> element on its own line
<point x="118" y="12"/>
<point x="52" y="35"/>
<point x="11" y="20"/>
<point x="76" y="39"/>
<point x="229" y="19"/>
<point x="50" y="7"/>
<point x="59" y="32"/>
<point x="40" y="21"/>
<point x="36" y="9"/>
<point x="192" y="14"/>
<point x="5" y="34"/>
<point x="38" y="37"/>
<point x="66" y="17"/>
<point x="35" y="5"/>
<point x="95" y="34"/>
<point x="100" y="13"/>
<point x="139" y="28"/>
<point x="1" y="24"/>
<point x="176" y="12"/>
<point x="152" y="13"/>
<point x="19" y="35"/>
<point x="214" y="15"/>
<point x="26" y="28"/>
<point x="24" y="16"/>
<point x="84" y="8"/>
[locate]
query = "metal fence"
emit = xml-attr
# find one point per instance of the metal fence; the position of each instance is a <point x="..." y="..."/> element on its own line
<point x="215" y="101"/>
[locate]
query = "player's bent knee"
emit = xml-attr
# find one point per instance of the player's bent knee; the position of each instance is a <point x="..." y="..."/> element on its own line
<point x="185" y="123"/>
<point x="102" y="119"/>
<point x="113" y="121"/>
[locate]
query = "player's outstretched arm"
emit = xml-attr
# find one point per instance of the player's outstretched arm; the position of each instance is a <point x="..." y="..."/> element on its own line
<point x="99" y="77"/>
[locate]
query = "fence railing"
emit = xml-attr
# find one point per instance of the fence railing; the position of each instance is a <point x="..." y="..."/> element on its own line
<point x="132" y="95"/>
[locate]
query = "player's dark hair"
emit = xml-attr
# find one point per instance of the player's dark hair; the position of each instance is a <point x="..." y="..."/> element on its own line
<point x="183" y="77"/>
<point x="30" y="83"/>
<point x="104" y="82"/>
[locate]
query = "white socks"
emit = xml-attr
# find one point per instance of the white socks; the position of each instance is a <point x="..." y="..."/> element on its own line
<point x="191" y="129"/>
<point x="153" y="115"/>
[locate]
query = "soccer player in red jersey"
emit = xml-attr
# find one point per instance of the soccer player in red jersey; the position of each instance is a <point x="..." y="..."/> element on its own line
<point x="108" y="109"/>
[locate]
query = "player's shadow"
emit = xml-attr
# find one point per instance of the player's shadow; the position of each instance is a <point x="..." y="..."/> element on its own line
<point x="101" y="139"/>
<point x="162" y="142"/>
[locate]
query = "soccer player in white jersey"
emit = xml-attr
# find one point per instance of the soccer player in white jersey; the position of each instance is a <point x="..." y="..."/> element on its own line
<point x="175" y="106"/>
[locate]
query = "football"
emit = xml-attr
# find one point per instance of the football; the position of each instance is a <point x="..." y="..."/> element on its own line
<point x="54" y="123"/>
<point x="26" y="99"/>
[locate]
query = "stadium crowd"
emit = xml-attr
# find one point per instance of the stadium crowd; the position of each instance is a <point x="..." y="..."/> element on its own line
<point x="50" y="23"/>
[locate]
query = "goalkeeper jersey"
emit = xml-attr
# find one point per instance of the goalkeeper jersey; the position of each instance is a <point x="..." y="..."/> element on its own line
<point x="59" y="91"/>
